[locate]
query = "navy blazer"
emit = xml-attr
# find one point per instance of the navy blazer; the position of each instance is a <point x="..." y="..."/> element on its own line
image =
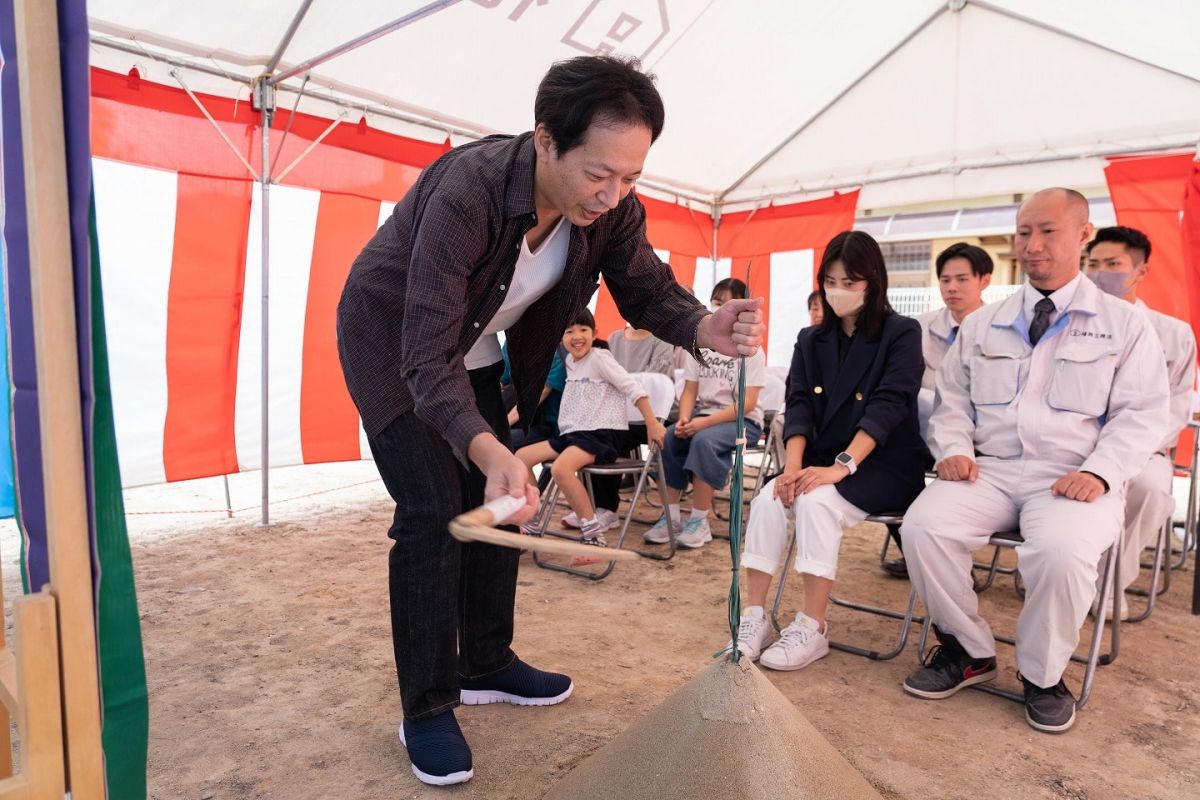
<point x="874" y="389"/>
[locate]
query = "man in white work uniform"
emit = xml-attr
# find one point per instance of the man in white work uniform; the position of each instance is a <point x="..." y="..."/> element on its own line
<point x="1117" y="261"/>
<point x="1047" y="404"/>
<point x="963" y="272"/>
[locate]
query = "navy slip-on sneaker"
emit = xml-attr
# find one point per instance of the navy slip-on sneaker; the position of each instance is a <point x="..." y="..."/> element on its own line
<point x="437" y="749"/>
<point x="519" y="684"/>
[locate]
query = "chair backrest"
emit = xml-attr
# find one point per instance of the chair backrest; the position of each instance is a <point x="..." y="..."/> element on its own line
<point x="773" y="394"/>
<point x="660" y="391"/>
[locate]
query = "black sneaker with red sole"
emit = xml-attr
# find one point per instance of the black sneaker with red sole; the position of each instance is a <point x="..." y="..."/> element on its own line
<point x="947" y="669"/>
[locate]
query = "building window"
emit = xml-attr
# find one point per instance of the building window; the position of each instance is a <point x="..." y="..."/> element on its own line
<point x="906" y="256"/>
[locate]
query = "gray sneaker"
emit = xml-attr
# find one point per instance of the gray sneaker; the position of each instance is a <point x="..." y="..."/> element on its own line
<point x="658" y="534"/>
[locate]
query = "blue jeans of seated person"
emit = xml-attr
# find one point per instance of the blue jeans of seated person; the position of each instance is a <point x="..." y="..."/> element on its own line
<point x="451" y="602"/>
<point x="708" y="455"/>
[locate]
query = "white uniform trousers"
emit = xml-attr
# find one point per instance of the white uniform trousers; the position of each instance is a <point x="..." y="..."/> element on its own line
<point x="821" y="516"/>
<point x="1148" y="503"/>
<point x="1057" y="561"/>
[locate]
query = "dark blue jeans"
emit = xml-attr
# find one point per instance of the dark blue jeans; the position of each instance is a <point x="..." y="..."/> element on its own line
<point x="452" y="603"/>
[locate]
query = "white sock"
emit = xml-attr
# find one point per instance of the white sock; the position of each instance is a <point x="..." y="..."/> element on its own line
<point x="754" y="612"/>
<point x="673" y="508"/>
<point x="583" y="523"/>
<point x="698" y="514"/>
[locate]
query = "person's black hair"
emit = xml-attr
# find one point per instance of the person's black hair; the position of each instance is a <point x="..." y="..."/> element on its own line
<point x="1133" y="239"/>
<point x="977" y="257"/>
<point x="736" y="288"/>
<point x="863" y="260"/>
<point x="583" y="317"/>
<point x="581" y="91"/>
<point x="814" y="296"/>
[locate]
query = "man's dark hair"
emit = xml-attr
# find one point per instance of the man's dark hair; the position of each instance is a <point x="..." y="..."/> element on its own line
<point x="596" y="89"/>
<point x="863" y="261"/>
<point x="977" y="257"/>
<point x="583" y="317"/>
<point x="1134" y="240"/>
<point x="736" y="288"/>
<point x="814" y="296"/>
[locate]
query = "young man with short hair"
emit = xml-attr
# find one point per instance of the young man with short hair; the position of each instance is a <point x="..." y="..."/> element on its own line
<point x="963" y="272"/>
<point x="1117" y="261"/>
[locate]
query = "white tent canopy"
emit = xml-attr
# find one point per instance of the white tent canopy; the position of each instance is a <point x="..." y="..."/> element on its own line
<point x="915" y="101"/>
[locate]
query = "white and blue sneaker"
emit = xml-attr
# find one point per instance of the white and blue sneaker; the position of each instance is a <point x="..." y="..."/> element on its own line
<point x="696" y="533"/>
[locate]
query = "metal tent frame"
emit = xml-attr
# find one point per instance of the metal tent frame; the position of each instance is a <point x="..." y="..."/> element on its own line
<point x="265" y="89"/>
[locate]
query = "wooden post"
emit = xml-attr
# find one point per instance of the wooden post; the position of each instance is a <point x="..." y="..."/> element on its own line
<point x="59" y="411"/>
<point x="30" y="688"/>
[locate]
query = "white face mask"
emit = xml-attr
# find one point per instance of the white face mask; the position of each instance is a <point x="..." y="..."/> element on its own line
<point x="845" y="302"/>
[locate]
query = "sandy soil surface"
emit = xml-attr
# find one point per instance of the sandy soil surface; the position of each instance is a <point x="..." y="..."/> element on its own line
<point x="271" y="676"/>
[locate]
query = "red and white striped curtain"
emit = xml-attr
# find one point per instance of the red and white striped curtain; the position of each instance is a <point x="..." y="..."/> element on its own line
<point x="178" y="215"/>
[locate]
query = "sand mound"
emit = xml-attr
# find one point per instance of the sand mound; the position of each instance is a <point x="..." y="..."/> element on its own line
<point x="727" y="733"/>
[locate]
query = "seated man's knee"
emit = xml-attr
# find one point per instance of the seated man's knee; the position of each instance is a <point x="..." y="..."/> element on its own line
<point x="1062" y="562"/>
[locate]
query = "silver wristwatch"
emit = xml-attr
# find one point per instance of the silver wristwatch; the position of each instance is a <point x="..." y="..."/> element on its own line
<point x="847" y="461"/>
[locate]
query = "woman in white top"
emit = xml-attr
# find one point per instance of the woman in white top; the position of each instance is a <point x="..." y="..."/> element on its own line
<point x="591" y="420"/>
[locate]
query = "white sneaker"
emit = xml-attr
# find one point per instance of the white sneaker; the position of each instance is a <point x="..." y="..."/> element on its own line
<point x="609" y="519"/>
<point x="696" y="533"/>
<point x="800" y="644"/>
<point x="753" y="635"/>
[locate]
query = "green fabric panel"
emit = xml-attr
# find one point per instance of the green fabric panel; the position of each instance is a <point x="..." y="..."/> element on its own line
<point x="123" y="694"/>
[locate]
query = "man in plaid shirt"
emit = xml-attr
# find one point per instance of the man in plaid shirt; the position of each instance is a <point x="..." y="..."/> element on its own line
<point x="508" y="234"/>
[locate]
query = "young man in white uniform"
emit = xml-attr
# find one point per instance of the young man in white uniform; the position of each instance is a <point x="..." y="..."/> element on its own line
<point x="1117" y="261"/>
<point x="1048" y="403"/>
<point x="963" y="272"/>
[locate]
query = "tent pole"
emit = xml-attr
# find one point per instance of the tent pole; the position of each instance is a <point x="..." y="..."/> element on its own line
<point x="287" y="36"/>
<point x="716" y="218"/>
<point x="264" y="97"/>
<point x="937" y="12"/>
<point x="954" y="169"/>
<point x="366" y="38"/>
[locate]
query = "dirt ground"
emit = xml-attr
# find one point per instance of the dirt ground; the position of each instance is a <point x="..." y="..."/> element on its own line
<point x="271" y="676"/>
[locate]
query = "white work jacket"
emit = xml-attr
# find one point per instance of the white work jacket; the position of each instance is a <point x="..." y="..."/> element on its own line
<point x="936" y="337"/>
<point x="1091" y="396"/>
<point x="1179" y="347"/>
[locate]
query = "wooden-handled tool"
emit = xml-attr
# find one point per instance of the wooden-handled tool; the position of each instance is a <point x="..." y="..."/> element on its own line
<point x="476" y="526"/>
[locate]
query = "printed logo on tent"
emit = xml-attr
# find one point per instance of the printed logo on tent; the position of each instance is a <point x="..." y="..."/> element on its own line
<point x="629" y="26"/>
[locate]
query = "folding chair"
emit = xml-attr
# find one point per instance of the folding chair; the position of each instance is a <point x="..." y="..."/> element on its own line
<point x="1110" y="577"/>
<point x="906" y="617"/>
<point x="661" y="394"/>
<point x="1189" y="521"/>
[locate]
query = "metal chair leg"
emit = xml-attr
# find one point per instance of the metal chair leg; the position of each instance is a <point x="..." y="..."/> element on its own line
<point x="1156" y="569"/>
<point x="672" y="528"/>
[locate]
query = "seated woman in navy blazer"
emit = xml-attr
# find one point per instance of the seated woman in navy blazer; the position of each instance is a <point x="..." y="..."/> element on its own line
<point x="853" y="444"/>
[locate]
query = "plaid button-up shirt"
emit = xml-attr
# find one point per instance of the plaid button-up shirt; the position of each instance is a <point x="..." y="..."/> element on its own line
<point x="425" y="287"/>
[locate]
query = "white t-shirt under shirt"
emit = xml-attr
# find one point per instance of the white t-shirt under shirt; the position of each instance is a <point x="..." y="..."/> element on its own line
<point x="535" y="274"/>
<point x="595" y="394"/>
<point x="718" y="381"/>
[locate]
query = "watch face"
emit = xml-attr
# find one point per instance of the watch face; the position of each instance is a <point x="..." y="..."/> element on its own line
<point x="844" y="458"/>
